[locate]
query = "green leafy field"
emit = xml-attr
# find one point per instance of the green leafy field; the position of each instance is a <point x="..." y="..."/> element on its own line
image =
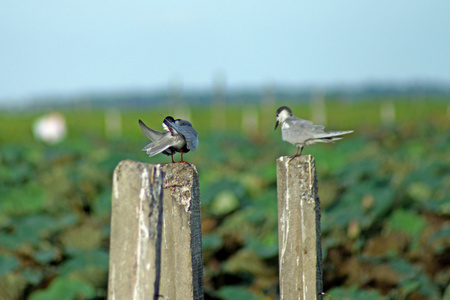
<point x="385" y="194"/>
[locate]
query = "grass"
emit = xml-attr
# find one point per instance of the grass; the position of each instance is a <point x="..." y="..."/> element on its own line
<point x="54" y="230"/>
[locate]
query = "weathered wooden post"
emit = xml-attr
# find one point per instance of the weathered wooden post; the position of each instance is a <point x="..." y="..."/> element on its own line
<point x="300" y="252"/>
<point x="156" y="248"/>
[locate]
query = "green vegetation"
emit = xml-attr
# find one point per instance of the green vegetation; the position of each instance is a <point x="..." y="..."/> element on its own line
<point x="385" y="193"/>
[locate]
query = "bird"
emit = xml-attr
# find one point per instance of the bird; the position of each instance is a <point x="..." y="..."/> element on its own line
<point x="303" y="133"/>
<point x="179" y="136"/>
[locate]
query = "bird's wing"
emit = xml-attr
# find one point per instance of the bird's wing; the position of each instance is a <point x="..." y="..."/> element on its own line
<point x="150" y="133"/>
<point x="305" y="124"/>
<point x="191" y="137"/>
<point x="162" y="144"/>
<point x="316" y="131"/>
<point x="297" y="131"/>
<point x="185" y="129"/>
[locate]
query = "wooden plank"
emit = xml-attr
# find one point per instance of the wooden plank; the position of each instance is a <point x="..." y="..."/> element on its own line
<point x="155" y="250"/>
<point x="182" y="260"/>
<point x="300" y="252"/>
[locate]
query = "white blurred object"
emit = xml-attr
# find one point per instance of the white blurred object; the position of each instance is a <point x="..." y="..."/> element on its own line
<point x="387" y="113"/>
<point x="218" y="105"/>
<point x="319" y="115"/>
<point x="182" y="112"/>
<point x="250" y="120"/>
<point x="113" y="123"/>
<point x="50" y="128"/>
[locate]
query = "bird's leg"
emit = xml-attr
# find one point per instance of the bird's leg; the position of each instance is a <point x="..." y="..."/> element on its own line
<point x="301" y="150"/>
<point x="171" y="154"/>
<point x="182" y="161"/>
<point x="296" y="153"/>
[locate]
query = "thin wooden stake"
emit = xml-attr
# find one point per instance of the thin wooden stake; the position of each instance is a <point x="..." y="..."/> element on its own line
<point x="300" y="252"/>
<point x="182" y="260"/>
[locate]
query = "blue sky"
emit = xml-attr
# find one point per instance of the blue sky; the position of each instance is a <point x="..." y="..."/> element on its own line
<point x="74" y="47"/>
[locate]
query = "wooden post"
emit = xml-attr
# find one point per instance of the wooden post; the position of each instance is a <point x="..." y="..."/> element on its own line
<point x="155" y="250"/>
<point x="300" y="251"/>
<point x="182" y="260"/>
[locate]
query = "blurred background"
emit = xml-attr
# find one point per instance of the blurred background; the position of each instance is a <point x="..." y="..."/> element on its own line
<point x="75" y="77"/>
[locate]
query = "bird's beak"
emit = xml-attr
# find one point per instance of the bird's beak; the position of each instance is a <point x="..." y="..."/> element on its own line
<point x="276" y="124"/>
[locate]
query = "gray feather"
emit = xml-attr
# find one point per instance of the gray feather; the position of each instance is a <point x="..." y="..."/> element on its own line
<point x="150" y="133"/>
<point x="179" y="136"/>
<point x="185" y="129"/>
<point x="164" y="143"/>
<point x="302" y="132"/>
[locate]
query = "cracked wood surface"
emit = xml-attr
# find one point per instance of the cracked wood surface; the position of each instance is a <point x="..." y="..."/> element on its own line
<point x="299" y="238"/>
<point x="156" y="248"/>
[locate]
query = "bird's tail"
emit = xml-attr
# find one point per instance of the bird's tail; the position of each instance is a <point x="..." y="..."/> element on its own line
<point x="328" y="137"/>
<point x="156" y="147"/>
<point x="337" y="133"/>
<point x="331" y="134"/>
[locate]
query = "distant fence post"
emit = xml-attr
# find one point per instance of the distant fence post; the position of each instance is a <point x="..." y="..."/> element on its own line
<point x="156" y="247"/>
<point x="300" y="252"/>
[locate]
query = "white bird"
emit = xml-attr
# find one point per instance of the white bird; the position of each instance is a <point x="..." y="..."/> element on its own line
<point x="303" y="133"/>
<point x="179" y="136"/>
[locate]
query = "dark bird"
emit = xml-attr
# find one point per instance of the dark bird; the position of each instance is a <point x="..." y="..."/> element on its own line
<point x="303" y="133"/>
<point x="179" y="136"/>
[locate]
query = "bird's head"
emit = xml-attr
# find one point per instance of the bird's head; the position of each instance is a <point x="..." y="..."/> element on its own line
<point x="283" y="113"/>
<point x="168" y="123"/>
